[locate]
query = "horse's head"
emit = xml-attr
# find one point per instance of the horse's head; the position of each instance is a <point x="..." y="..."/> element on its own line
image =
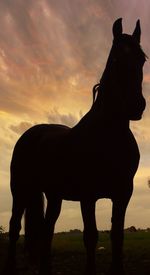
<point x="123" y="75"/>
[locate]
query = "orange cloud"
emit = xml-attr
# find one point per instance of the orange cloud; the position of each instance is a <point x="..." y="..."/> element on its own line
<point x="147" y="78"/>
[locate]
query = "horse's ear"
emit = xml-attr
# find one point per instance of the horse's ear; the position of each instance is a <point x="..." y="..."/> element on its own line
<point x="137" y="32"/>
<point x="117" y="28"/>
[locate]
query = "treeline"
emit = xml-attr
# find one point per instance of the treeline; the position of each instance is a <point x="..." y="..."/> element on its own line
<point x="128" y="229"/>
<point x="78" y="231"/>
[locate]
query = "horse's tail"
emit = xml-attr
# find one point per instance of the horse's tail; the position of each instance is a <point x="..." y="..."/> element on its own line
<point x="34" y="222"/>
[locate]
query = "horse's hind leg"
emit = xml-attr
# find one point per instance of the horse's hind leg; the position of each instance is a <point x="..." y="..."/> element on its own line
<point x="90" y="234"/>
<point x="14" y="229"/>
<point x="52" y="214"/>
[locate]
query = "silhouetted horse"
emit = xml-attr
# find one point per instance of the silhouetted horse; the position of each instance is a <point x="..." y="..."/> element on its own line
<point x="95" y="159"/>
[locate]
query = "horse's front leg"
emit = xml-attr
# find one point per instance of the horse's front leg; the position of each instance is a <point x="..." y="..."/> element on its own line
<point x="117" y="235"/>
<point x="90" y="234"/>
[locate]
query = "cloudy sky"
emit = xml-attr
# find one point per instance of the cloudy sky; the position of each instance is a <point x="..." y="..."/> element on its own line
<point x="51" y="54"/>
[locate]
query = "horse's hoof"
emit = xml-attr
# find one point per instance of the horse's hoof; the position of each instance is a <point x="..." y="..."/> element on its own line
<point x="116" y="269"/>
<point x="90" y="271"/>
<point x="9" y="271"/>
<point x="45" y="271"/>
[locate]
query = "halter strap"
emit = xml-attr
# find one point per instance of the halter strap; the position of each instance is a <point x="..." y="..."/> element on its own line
<point x="95" y="91"/>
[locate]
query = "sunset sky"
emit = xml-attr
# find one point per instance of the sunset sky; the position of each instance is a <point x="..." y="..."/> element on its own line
<point x="52" y="52"/>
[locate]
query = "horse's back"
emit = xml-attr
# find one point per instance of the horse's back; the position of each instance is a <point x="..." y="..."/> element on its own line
<point x="40" y="133"/>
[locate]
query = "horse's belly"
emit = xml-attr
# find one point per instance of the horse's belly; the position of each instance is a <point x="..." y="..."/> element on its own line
<point x="93" y="180"/>
<point x="75" y="174"/>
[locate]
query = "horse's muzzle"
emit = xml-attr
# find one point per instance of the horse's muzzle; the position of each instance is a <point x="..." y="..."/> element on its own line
<point x="137" y="109"/>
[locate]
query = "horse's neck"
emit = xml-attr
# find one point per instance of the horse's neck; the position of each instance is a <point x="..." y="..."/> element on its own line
<point x="98" y="121"/>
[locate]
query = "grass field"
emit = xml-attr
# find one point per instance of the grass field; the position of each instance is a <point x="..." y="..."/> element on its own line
<point x="68" y="254"/>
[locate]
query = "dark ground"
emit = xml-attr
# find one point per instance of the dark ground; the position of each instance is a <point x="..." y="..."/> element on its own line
<point x="68" y="254"/>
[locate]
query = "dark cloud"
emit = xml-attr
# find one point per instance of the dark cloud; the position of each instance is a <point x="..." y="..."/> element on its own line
<point x="21" y="127"/>
<point x="66" y="119"/>
<point x="55" y="116"/>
